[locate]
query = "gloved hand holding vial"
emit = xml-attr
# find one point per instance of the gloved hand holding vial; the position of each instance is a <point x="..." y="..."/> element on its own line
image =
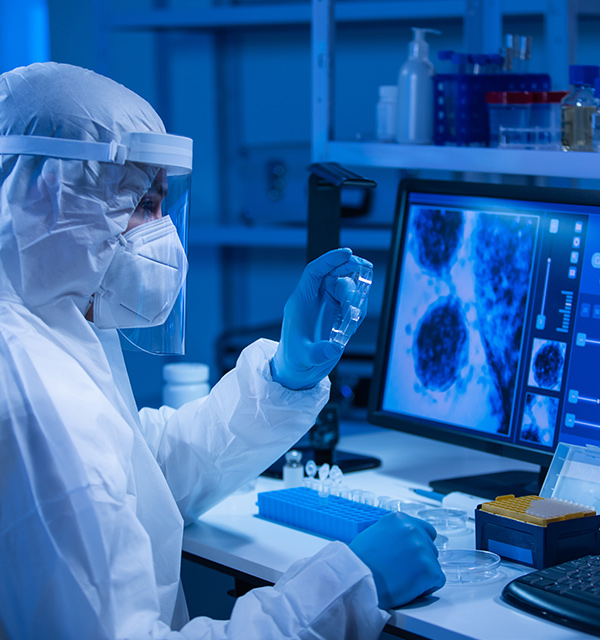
<point x="324" y="310"/>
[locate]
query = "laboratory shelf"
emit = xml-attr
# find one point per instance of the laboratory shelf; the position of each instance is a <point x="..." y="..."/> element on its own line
<point x="480" y="159"/>
<point x="281" y="14"/>
<point x="281" y="237"/>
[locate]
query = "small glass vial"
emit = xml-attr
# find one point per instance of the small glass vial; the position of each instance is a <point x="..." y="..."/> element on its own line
<point x="578" y="107"/>
<point x="293" y="471"/>
<point x="386" y="113"/>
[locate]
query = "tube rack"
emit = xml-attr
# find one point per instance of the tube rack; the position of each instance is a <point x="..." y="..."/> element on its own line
<point x="330" y="516"/>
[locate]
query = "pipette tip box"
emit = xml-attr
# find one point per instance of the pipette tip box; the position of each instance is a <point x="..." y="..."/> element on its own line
<point x="331" y="516"/>
<point x="503" y="526"/>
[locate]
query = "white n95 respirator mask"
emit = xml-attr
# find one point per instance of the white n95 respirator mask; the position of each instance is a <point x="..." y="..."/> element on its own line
<point x="143" y="279"/>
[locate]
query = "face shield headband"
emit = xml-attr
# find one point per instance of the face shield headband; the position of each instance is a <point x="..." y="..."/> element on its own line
<point x="143" y="292"/>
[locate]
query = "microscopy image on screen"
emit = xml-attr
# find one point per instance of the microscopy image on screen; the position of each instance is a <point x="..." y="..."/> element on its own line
<point x="460" y="309"/>
<point x="539" y="419"/>
<point x="547" y="364"/>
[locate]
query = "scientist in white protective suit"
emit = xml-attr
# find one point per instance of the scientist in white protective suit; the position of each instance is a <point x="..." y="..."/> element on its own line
<point x="94" y="495"/>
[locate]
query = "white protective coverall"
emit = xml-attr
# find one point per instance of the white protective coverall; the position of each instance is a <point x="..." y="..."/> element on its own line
<point x="93" y="496"/>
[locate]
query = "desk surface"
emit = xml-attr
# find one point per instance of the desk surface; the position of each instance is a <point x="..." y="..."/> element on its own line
<point x="231" y="535"/>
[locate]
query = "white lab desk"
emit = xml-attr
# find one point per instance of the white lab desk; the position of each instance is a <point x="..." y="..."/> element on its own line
<point x="232" y="537"/>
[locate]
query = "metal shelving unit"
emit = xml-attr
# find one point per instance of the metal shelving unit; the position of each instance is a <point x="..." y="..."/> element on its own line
<point x="496" y="161"/>
<point x="482" y="24"/>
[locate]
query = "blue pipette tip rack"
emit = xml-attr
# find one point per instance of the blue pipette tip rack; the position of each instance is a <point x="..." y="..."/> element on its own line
<point x="332" y="517"/>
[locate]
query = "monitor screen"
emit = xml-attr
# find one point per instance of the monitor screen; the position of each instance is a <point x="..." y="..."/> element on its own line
<point x="490" y="329"/>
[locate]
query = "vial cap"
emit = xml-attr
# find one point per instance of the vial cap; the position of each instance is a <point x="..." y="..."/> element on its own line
<point x="293" y="457"/>
<point x="583" y="74"/>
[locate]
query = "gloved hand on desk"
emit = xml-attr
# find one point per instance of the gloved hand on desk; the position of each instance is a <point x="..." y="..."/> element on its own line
<point x="305" y="354"/>
<point x="400" y="553"/>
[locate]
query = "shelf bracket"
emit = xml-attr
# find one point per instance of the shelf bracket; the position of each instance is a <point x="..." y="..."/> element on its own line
<point x="324" y="204"/>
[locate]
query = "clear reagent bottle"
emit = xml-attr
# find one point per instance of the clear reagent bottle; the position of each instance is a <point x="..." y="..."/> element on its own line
<point x="415" y="93"/>
<point x="578" y="107"/>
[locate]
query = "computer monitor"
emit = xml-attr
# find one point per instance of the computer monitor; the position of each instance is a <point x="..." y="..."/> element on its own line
<point x="490" y="330"/>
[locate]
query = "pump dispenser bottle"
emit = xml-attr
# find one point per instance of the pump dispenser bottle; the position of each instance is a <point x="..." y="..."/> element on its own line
<point x="414" y="124"/>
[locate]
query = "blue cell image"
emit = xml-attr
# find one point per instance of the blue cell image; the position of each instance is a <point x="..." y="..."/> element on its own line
<point x="459" y="318"/>
<point x="504" y="246"/>
<point x="539" y="419"/>
<point x="438" y="233"/>
<point x="547" y="364"/>
<point x="440" y="348"/>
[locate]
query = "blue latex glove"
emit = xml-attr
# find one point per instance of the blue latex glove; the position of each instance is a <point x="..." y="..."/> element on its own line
<point x="400" y="552"/>
<point x="305" y="355"/>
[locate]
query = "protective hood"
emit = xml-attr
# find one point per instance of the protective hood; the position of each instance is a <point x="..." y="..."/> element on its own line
<point x="60" y="218"/>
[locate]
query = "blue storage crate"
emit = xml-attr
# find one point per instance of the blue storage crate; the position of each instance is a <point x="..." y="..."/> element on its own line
<point x="333" y="517"/>
<point x="460" y="110"/>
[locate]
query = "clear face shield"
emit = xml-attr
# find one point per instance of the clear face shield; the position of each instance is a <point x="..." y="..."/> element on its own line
<point x="150" y="312"/>
<point x="142" y="293"/>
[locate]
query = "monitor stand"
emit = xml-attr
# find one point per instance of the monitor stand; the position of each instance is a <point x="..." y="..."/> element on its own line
<point x="492" y="485"/>
<point x="347" y="462"/>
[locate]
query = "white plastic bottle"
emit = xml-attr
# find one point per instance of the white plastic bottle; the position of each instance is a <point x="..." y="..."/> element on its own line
<point x="293" y="471"/>
<point x="414" y="124"/>
<point x="184" y="382"/>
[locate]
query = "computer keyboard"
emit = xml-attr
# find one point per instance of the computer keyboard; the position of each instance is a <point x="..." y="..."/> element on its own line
<point x="567" y="593"/>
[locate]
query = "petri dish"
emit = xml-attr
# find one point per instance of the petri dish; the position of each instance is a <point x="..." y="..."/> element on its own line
<point x="441" y="542"/>
<point x="445" y="520"/>
<point x="411" y="508"/>
<point x="464" y="566"/>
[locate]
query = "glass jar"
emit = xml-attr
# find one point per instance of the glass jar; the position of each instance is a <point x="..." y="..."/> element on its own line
<point x="509" y="113"/>
<point x="578" y="107"/>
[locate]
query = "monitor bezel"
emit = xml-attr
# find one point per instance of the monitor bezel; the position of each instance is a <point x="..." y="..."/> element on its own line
<point x="375" y="414"/>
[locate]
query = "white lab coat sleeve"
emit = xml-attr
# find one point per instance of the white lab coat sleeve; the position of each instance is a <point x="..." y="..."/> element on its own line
<point x="329" y="596"/>
<point x="209" y="448"/>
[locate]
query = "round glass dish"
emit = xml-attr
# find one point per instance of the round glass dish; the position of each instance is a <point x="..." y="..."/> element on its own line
<point x="462" y="566"/>
<point x="441" y="542"/>
<point x="405" y="506"/>
<point x="445" y="520"/>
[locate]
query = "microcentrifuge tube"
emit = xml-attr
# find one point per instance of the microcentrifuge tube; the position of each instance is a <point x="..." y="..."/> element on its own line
<point x="369" y="498"/>
<point x="356" y="495"/>
<point x="351" y="311"/>
<point x="311" y="470"/>
<point x="323" y="472"/>
<point x="382" y="502"/>
<point x="336" y="474"/>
